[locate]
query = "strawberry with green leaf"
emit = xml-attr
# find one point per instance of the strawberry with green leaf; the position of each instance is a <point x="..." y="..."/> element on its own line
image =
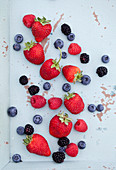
<point x="41" y="28"/>
<point x="74" y="103"/>
<point x="60" y="125"/>
<point x="37" y="144"/>
<point x="51" y="68"/>
<point x="34" y="53"/>
<point x="72" y="73"/>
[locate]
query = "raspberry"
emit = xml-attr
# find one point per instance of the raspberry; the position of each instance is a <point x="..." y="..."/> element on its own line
<point x="66" y="30"/>
<point x="58" y="157"/>
<point x="29" y="129"/>
<point x="84" y="58"/>
<point x="64" y="141"/>
<point x="33" y="90"/>
<point x="101" y="71"/>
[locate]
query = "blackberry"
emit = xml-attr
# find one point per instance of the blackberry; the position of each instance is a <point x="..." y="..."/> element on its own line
<point x="66" y="30"/>
<point x="33" y="90"/>
<point x="58" y="157"/>
<point x="28" y="129"/>
<point x="64" y="141"/>
<point x="84" y="58"/>
<point x="101" y="71"/>
<point x="23" y="80"/>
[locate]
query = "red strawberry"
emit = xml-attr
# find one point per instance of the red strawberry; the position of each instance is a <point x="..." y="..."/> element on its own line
<point x="74" y="103"/>
<point x="74" y="49"/>
<point x="37" y="144"/>
<point x="41" y="29"/>
<point x="72" y="73"/>
<point x="28" y="20"/>
<point x="34" y="53"/>
<point x="50" y="68"/>
<point x="54" y="103"/>
<point x="81" y="125"/>
<point x="38" y="101"/>
<point x="72" y="150"/>
<point x="60" y="126"/>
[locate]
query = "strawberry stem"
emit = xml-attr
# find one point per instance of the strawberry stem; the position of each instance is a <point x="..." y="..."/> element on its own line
<point x="56" y="63"/>
<point x="64" y="118"/>
<point x="78" y="77"/>
<point x="42" y="20"/>
<point x="29" y="45"/>
<point x="70" y="95"/>
<point x="27" y="140"/>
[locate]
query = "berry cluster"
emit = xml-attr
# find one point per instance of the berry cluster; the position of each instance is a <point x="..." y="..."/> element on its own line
<point x="93" y="108"/>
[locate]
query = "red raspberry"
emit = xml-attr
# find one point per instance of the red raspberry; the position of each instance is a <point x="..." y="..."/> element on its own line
<point x="38" y="101"/>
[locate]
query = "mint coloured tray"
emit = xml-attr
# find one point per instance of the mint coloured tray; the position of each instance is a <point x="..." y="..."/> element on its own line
<point x="94" y="25"/>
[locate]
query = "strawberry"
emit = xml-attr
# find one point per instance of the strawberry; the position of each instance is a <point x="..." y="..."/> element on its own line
<point x="38" y="101"/>
<point x="41" y="29"/>
<point x="37" y="144"/>
<point x="72" y="73"/>
<point x="60" y="125"/>
<point x="74" y="49"/>
<point x="74" y="103"/>
<point x="81" y="125"/>
<point x="50" y="68"/>
<point x="34" y="53"/>
<point x="28" y="20"/>
<point x="72" y="150"/>
<point x="54" y="103"/>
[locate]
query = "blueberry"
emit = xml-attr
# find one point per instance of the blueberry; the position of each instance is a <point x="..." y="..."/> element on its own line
<point x="46" y="86"/>
<point x="37" y="119"/>
<point x="16" y="47"/>
<point x="58" y="43"/>
<point x="71" y="37"/>
<point x="92" y="108"/>
<point x="12" y="111"/>
<point x="61" y="149"/>
<point x="82" y="145"/>
<point x="18" y="38"/>
<point x="23" y="80"/>
<point x="20" y="130"/>
<point x="100" y="108"/>
<point x="66" y="87"/>
<point x="16" y="158"/>
<point x="105" y="59"/>
<point x="85" y="80"/>
<point x="64" y="55"/>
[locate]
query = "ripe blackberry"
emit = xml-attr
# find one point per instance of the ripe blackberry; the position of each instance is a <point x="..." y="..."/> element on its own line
<point x="28" y="129"/>
<point x="33" y="90"/>
<point x="23" y="80"/>
<point x="84" y="58"/>
<point x="58" y="157"/>
<point x="64" y="141"/>
<point x="101" y="71"/>
<point x="66" y="30"/>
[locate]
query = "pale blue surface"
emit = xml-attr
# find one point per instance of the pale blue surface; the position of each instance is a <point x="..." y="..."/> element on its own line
<point x="101" y="146"/>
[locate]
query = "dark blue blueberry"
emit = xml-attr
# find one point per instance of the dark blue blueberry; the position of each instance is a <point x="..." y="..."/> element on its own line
<point x="64" y="55"/>
<point x="37" y="119"/>
<point x="12" y="111"/>
<point x="18" y="38"/>
<point x="66" y="87"/>
<point x="85" y="80"/>
<point x="105" y="59"/>
<point x="82" y="145"/>
<point x="100" y="108"/>
<point x="16" y="47"/>
<point x="20" y="130"/>
<point x="58" y="43"/>
<point x="16" y="158"/>
<point x="71" y="37"/>
<point x="92" y="108"/>
<point x="46" y="86"/>
<point x="61" y="149"/>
